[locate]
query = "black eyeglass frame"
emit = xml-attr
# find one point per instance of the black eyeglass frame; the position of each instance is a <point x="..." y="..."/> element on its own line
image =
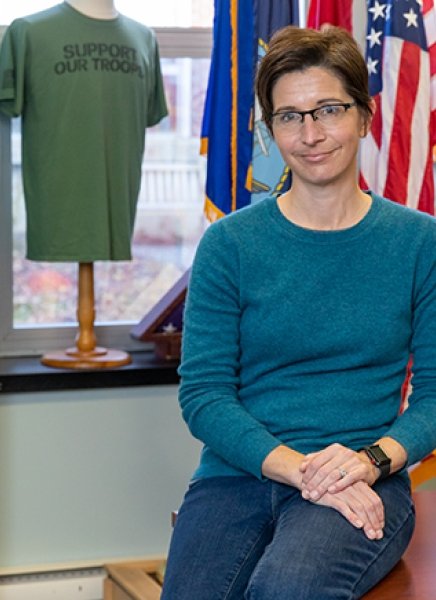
<point x="303" y="113"/>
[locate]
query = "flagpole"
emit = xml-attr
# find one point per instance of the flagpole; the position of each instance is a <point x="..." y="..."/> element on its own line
<point x="302" y="13"/>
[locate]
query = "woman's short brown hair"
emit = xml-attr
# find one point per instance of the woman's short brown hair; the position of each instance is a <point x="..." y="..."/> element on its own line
<point x="296" y="49"/>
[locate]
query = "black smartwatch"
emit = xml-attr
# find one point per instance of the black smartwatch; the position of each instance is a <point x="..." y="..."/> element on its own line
<point x="379" y="459"/>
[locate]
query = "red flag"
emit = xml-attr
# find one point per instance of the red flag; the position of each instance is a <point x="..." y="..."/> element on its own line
<point x="335" y="12"/>
<point x="396" y="157"/>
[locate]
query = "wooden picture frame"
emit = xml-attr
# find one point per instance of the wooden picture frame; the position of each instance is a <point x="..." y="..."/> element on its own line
<point x="163" y="324"/>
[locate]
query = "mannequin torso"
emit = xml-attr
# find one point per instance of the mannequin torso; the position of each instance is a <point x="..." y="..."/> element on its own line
<point x="97" y="9"/>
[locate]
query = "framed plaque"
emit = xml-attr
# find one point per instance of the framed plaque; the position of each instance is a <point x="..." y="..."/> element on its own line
<point x="163" y="324"/>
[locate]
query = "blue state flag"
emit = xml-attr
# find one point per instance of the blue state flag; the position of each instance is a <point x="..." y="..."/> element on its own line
<point x="243" y="163"/>
<point x="270" y="175"/>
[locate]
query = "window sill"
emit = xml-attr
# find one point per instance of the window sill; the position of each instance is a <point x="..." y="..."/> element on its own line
<point x="27" y="374"/>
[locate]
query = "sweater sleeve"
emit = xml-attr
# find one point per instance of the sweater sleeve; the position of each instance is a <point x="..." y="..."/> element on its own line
<point x="415" y="429"/>
<point x="210" y="359"/>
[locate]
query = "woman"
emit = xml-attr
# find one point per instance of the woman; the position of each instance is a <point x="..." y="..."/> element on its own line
<point x="301" y="316"/>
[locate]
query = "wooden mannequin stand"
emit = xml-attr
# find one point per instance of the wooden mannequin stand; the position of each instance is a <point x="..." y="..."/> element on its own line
<point x="86" y="354"/>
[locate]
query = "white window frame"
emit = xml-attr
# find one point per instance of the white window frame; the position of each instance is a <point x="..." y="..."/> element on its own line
<point x="174" y="42"/>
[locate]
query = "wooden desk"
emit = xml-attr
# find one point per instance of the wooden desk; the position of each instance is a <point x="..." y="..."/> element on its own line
<point x="414" y="578"/>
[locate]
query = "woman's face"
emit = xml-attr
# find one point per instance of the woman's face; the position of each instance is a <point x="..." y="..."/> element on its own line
<point x="317" y="153"/>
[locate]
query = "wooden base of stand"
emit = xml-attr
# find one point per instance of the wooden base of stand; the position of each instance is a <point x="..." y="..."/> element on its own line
<point x="86" y="354"/>
<point x="98" y="358"/>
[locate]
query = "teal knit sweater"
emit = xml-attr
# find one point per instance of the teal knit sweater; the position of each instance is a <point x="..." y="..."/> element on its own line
<point x="302" y="337"/>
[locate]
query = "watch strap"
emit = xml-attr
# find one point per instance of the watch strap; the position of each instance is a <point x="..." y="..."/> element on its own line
<point x="379" y="459"/>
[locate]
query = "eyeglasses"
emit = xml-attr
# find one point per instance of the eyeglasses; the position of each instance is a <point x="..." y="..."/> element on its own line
<point x="328" y="115"/>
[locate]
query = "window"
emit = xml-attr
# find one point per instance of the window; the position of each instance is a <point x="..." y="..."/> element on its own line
<point x="39" y="300"/>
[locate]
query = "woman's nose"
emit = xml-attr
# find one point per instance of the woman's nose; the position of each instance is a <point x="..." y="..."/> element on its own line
<point x="311" y="130"/>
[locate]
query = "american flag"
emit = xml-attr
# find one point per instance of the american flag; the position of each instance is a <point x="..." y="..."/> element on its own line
<point x="396" y="157"/>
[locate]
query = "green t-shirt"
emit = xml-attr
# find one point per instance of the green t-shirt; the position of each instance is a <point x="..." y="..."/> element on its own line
<point x="86" y="90"/>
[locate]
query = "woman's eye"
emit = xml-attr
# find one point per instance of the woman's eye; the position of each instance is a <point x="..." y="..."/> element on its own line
<point x="329" y="111"/>
<point x="289" y="117"/>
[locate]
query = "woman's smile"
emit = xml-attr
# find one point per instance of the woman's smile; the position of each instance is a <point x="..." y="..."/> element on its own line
<point x="317" y="157"/>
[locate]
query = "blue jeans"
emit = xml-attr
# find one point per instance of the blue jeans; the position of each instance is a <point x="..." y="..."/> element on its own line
<point x="239" y="538"/>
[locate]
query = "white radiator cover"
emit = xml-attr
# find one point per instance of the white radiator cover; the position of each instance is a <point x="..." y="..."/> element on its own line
<point x="83" y="584"/>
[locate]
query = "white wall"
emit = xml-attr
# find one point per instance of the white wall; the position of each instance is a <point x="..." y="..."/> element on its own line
<point x="91" y="474"/>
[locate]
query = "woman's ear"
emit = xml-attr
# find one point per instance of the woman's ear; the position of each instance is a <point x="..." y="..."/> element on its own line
<point x="366" y="125"/>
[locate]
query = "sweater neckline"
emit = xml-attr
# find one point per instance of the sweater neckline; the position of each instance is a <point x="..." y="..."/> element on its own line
<point x="327" y="236"/>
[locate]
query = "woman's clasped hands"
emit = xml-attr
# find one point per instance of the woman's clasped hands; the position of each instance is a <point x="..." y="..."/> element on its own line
<point x="341" y="478"/>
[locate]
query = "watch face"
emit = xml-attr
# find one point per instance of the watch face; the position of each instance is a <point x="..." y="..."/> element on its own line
<point x="378" y="455"/>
